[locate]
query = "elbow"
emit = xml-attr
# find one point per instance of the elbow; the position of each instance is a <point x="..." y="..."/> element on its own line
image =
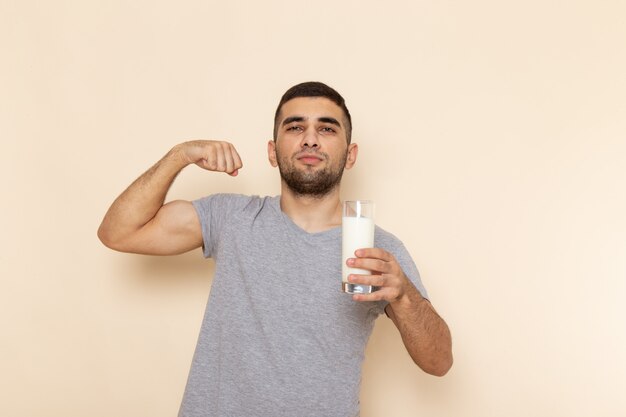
<point x="442" y="368"/>
<point x="437" y="367"/>
<point x="105" y="236"/>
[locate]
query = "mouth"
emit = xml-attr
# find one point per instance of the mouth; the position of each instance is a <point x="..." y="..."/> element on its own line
<point x="309" y="159"/>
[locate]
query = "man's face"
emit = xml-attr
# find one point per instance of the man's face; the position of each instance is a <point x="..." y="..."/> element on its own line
<point x="311" y="149"/>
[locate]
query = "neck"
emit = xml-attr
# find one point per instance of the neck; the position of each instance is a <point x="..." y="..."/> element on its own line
<point x="312" y="214"/>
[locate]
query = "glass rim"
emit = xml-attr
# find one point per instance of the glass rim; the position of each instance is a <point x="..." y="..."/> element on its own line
<point x="358" y="201"/>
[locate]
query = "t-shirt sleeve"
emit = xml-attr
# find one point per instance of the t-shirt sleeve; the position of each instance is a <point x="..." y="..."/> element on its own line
<point x="396" y="247"/>
<point x="214" y="213"/>
<point x="392" y="244"/>
<point x="410" y="269"/>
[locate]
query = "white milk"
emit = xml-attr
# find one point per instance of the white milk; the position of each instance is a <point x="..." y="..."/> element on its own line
<point x="358" y="233"/>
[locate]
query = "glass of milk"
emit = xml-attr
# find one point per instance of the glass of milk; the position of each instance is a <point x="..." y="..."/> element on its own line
<point x="357" y="232"/>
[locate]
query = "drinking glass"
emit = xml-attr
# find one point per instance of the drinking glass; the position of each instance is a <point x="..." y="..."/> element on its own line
<point x="357" y="232"/>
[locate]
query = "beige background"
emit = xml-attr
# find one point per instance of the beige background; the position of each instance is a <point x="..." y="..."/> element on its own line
<point x="492" y="137"/>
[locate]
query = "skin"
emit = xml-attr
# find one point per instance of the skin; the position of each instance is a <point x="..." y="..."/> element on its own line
<point x="311" y="138"/>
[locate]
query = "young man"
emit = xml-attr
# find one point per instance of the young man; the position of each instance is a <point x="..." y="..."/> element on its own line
<point x="279" y="338"/>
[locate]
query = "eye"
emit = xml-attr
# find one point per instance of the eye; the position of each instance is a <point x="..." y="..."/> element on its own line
<point x="327" y="129"/>
<point x="294" y="128"/>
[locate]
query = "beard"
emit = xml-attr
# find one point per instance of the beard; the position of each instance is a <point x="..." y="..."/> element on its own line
<point x="311" y="182"/>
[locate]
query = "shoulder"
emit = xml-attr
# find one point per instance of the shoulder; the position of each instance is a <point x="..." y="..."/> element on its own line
<point x="387" y="240"/>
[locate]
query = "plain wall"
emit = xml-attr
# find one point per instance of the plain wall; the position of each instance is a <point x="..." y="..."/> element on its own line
<point x="492" y="137"/>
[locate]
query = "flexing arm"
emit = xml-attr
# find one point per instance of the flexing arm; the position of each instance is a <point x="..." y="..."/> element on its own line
<point x="138" y="221"/>
<point x="425" y="335"/>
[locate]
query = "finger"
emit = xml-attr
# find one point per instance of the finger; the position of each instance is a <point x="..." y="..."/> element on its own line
<point x="371" y="264"/>
<point x="375" y="280"/>
<point x="382" y="293"/>
<point x="236" y="159"/>
<point x="377" y="253"/>
<point x="221" y="159"/>
<point x="374" y="296"/>
<point x="228" y="157"/>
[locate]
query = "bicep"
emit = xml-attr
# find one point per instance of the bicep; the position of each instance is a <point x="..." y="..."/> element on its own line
<point x="175" y="229"/>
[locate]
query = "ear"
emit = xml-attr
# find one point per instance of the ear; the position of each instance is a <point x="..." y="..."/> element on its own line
<point x="271" y="153"/>
<point x="353" y="151"/>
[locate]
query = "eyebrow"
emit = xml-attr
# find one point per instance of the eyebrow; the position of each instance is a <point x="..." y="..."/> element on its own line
<point x="292" y="119"/>
<point x="330" y="120"/>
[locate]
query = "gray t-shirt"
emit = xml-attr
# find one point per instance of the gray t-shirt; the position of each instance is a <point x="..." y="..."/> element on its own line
<point x="279" y="337"/>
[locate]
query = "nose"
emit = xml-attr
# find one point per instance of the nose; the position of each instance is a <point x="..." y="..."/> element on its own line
<point x="310" y="139"/>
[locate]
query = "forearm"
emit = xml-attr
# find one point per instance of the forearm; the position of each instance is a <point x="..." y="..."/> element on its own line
<point x="424" y="333"/>
<point x="140" y="202"/>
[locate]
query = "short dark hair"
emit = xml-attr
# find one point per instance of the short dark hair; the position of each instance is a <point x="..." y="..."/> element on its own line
<point x="315" y="89"/>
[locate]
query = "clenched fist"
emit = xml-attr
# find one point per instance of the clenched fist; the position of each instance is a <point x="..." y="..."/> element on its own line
<point x="212" y="155"/>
